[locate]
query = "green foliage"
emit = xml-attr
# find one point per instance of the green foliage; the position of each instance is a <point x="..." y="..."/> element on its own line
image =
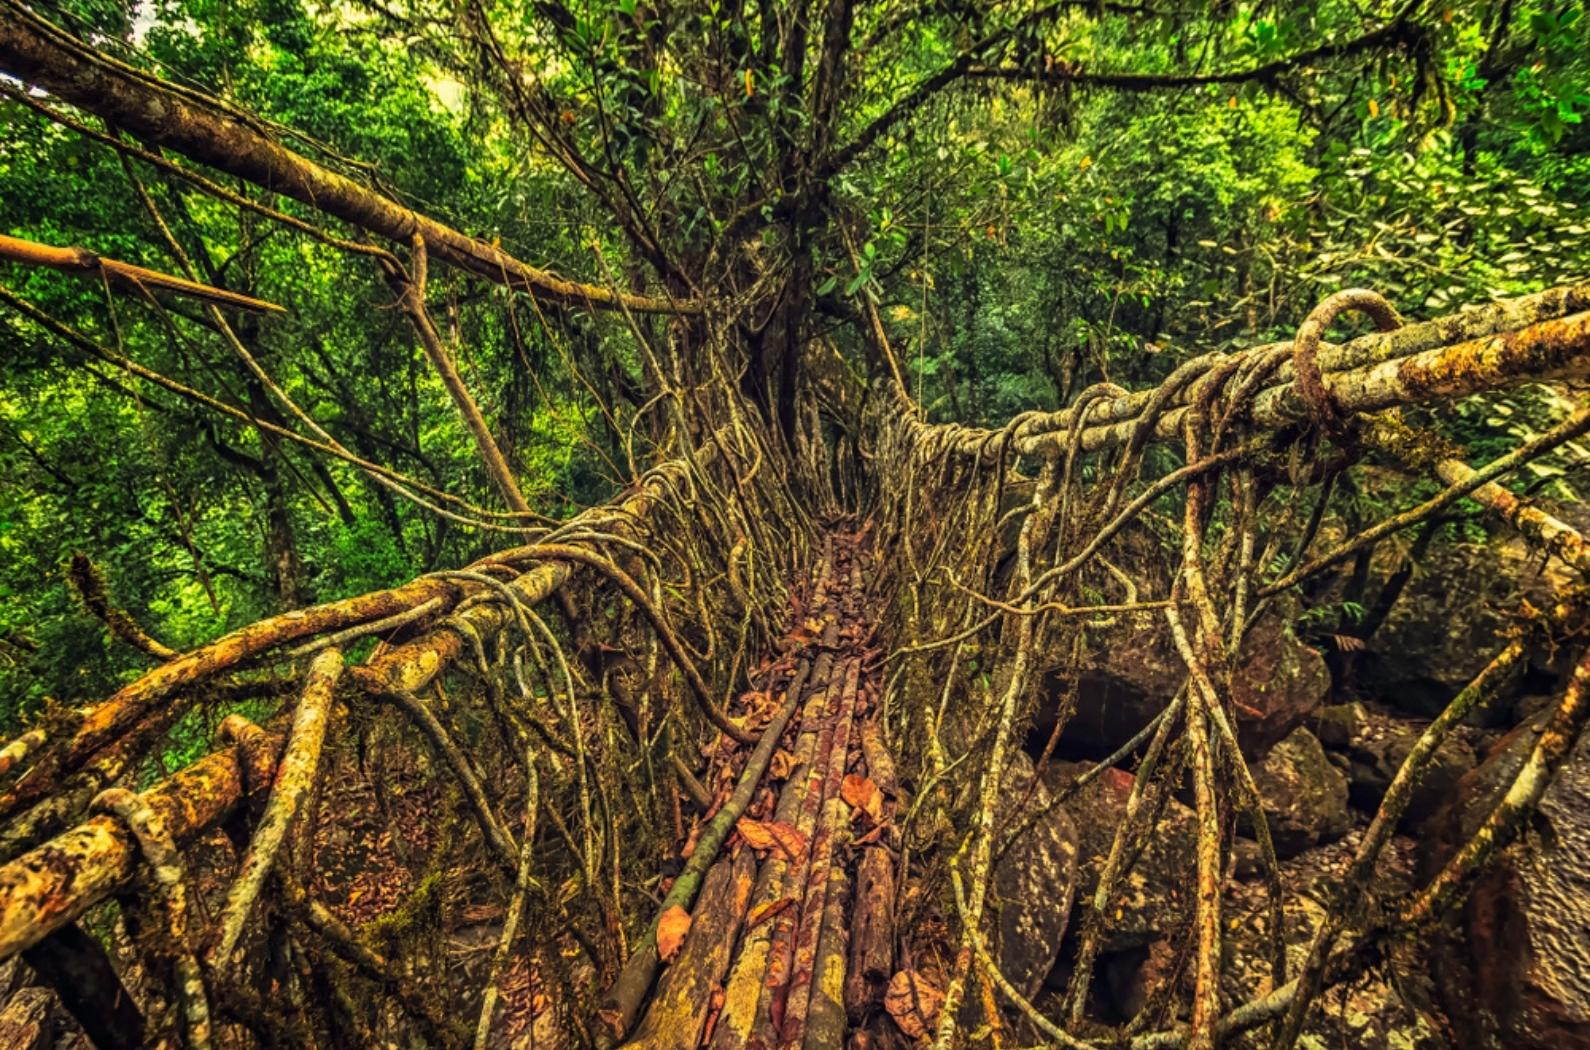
<point x="1023" y="237"/>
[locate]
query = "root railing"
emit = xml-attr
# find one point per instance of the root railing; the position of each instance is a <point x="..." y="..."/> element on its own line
<point x="1088" y="564"/>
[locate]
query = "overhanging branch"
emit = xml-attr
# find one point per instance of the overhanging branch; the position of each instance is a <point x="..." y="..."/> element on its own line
<point x="1400" y="33"/>
<point x="206" y="131"/>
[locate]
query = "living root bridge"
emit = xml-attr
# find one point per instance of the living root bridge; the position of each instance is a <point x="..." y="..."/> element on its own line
<point x="579" y="768"/>
<point x="57" y="882"/>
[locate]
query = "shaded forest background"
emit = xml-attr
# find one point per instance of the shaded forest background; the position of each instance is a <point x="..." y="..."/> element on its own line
<point x="1023" y="237"/>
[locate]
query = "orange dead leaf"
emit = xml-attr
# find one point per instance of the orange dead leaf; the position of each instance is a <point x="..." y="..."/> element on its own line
<point x="671" y="929"/>
<point x="714" y="1009"/>
<point x="781" y="765"/>
<point x="862" y="794"/>
<point x="749" y="82"/>
<point x="772" y="834"/>
<point x="913" y="1003"/>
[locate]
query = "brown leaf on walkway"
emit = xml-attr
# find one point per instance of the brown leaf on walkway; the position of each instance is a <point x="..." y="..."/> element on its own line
<point x="714" y="1008"/>
<point x="862" y="794"/>
<point x="913" y="1003"/>
<point x="671" y="930"/>
<point x="772" y="834"/>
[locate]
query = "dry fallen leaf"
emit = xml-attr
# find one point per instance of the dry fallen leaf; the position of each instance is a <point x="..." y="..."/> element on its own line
<point x="913" y="1003"/>
<point x="862" y="794"/>
<point x="714" y="1008"/>
<point x="772" y="834"/>
<point x="781" y="765"/>
<point x="671" y="929"/>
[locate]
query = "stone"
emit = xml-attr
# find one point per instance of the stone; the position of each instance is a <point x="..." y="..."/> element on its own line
<point x="1515" y="965"/>
<point x="1305" y="796"/>
<point x="1338" y="725"/>
<point x="1382" y="1009"/>
<point x="1378" y="751"/>
<point x="1151" y="899"/>
<point x="1277" y="684"/>
<point x="1423" y="654"/>
<point x="1034" y="881"/>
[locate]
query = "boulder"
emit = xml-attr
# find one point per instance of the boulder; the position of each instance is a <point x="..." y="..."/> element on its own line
<point x="1387" y="1007"/>
<point x="1449" y="622"/>
<point x="1378" y="751"/>
<point x="1305" y="796"/>
<point x="1384" y="1008"/>
<point x="1515" y="967"/>
<point x="1034" y="881"/>
<point x="1338" y="725"/>
<point x="1150" y="901"/>
<point x="1277" y="684"/>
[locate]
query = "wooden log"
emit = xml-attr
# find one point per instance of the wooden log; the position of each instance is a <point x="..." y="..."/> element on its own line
<point x="622" y="1003"/>
<point x="791" y="1001"/>
<point x="679" y="1009"/>
<point x="826" y="1022"/>
<point x="772" y="991"/>
<point x="880" y="765"/>
<point x="744" y="990"/>
<point x="872" y="929"/>
<point x="25" y="1021"/>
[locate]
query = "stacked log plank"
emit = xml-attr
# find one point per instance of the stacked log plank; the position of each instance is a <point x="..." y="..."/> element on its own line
<point x="782" y="952"/>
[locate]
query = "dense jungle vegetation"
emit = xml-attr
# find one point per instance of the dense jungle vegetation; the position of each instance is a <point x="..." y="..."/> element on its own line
<point x="1022" y="239"/>
<point x="861" y="288"/>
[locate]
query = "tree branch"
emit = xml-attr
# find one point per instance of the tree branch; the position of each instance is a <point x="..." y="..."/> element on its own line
<point x="204" y="130"/>
<point x="1400" y="33"/>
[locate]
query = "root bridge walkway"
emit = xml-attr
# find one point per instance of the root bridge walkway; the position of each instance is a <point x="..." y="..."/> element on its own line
<point x="778" y="931"/>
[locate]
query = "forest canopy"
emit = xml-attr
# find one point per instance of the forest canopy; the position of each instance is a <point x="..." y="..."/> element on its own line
<point x="1023" y="229"/>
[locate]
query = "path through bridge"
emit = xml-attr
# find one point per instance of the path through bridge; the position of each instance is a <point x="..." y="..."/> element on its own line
<point x="792" y="928"/>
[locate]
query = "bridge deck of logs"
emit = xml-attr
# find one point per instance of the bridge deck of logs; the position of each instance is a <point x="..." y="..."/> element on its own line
<point x="789" y="942"/>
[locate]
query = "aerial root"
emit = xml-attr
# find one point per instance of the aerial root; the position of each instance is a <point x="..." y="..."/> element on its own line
<point x="171" y="897"/>
<point x="89" y="583"/>
<point x="294" y="780"/>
